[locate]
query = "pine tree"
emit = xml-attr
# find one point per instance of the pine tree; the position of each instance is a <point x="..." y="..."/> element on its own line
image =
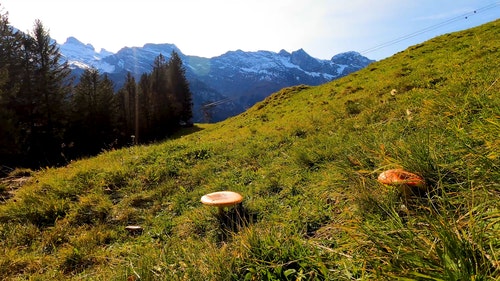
<point x="94" y="114"/>
<point x="145" y="108"/>
<point x="10" y="57"/>
<point x="83" y="111"/>
<point x="9" y="67"/>
<point x="129" y="109"/>
<point x="39" y="100"/>
<point x="181" y="94"/>
<point x="51" y="87"/>
<point x="9" y="148"/>
<point x="160" y="103"/>
<point x="107" y="108"/>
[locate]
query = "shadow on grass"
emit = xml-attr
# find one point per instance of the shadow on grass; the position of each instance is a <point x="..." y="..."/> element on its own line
<point x="233" y="220"/>
<point x="184" y="131"/>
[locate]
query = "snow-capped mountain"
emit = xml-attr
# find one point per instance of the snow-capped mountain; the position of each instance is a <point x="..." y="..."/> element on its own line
<point x="84" y="55"/>
<point x="239" y="78"/>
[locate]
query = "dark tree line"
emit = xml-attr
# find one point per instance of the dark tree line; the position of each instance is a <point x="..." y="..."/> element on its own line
<point x="46" y="119"/>
<point x="159" y="103"/>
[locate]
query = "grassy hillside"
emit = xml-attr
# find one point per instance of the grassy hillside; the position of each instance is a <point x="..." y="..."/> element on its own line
<point x="306" y="161"/>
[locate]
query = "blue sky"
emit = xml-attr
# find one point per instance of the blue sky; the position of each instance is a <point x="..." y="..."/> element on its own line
<point x="323" y="28"/>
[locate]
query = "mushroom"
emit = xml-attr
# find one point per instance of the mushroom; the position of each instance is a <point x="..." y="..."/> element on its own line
<point x="134" y="229"/>
<point x="222" y="199"/>
<point x="405" y="181"/>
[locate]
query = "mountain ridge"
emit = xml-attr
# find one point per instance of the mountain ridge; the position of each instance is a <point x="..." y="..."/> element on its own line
<point x="241" y="78"/>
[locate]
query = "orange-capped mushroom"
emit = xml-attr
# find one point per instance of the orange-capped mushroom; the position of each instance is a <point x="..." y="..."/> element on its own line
<point x="404" y="180"/>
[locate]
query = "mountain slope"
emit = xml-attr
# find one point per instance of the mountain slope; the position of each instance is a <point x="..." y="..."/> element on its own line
<point x="306" y="160"/>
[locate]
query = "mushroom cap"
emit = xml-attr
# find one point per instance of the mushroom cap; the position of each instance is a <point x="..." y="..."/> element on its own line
<point x="134" y="229"/>
<point x="401" y="177"/>
<point x="222" y="198"/>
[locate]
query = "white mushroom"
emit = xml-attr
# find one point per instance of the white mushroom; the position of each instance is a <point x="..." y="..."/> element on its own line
<point x="222" y="199"/>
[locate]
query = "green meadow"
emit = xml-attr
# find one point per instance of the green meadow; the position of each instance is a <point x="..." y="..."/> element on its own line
<point x="306" y="161"/>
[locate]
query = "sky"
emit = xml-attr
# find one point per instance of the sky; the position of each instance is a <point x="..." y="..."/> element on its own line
<point x="209" y="28"/>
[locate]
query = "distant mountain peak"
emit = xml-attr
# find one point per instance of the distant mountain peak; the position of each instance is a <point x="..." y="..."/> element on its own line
<point x="304" y="60"/>
<point x="351" y="58"/>
<point x="284" y="53"/>
<point x="300" y="51"/>
<point x="80" y="55"/>
<point x="104" y="53"/>
<point x="72" y="41"/>
<point x="162" y="47"/>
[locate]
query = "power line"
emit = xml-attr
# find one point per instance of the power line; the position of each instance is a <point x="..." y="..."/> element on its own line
<point x="217" y="102"/>
<point x="432" y="27"/>
<point x="207" y="109"/>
